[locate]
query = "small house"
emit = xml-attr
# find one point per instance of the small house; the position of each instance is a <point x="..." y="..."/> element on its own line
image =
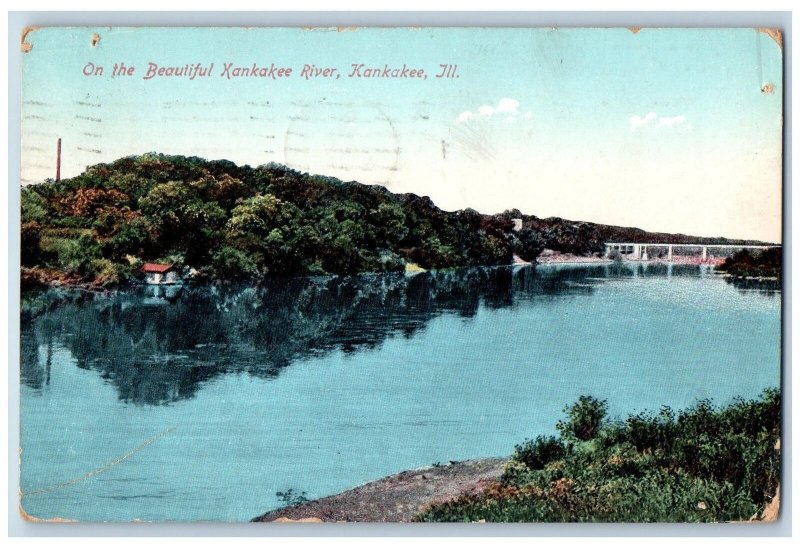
<point x="160" y="274"/>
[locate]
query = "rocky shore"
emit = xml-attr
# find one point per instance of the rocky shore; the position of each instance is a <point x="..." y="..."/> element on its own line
<point x="396" y="498"/>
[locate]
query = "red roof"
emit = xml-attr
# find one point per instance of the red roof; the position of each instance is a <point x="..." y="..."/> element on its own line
<point x="156" y="267"/>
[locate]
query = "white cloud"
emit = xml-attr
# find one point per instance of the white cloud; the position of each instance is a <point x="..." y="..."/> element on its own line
<point x="666" y="121"/>
<point x="464" y="116"/>
<point x="637" y="121"/>
<point x="511" y="106"/>
<point x="651" y="119"/>
<point x="506" y="106"/>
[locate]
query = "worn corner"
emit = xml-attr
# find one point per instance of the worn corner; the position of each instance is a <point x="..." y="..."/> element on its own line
<point x="775" y="33"/>
<point x="26" y="46"/>
<point x="33" y="519"/>
<point x="26" y="516"/>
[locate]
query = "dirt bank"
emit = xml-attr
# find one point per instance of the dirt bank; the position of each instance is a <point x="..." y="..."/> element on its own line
<point x="397" y="498"/>
<point x="400" y="497"/>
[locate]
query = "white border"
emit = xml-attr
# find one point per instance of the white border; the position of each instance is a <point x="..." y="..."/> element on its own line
<point x="9" y="272"/>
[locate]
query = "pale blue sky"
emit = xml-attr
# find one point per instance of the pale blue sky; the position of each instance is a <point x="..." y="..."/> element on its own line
<point x="553" y="122"/>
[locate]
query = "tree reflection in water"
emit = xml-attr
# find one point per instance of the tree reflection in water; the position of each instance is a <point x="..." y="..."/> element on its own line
<point x="157" y="347"/>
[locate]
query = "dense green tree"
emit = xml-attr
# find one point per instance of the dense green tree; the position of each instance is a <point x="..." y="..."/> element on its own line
<point x="30" y="243"/>
<point x="231" y="263"/>
<point x="131" y="238"/>
<point x="34" y="206"/>
<point x="528" y="244"/>
<point x="272" y="219"/>
<point x="78" y="257"/>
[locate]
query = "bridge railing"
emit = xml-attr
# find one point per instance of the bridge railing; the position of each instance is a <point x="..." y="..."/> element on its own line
<point x="645" y="251"/>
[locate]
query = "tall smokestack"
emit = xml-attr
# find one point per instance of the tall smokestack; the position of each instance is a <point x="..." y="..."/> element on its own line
<point x="58" y="160"/>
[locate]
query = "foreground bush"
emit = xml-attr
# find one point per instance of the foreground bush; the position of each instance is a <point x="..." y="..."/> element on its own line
<point x="700" y="465"/>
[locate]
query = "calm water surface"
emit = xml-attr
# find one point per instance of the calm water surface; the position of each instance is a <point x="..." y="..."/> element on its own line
<point x="203" y="403"/>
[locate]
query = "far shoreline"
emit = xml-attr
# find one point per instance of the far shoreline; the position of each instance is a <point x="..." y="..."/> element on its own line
<point x="62" y="281"/>
<point x="47" y="279"/>
<point x="36" y="278"/>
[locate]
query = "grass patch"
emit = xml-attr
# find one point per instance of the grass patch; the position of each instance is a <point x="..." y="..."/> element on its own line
<point x="704" y="464"/>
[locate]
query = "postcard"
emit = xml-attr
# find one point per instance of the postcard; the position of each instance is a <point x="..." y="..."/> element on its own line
<point x="401" y="274"/>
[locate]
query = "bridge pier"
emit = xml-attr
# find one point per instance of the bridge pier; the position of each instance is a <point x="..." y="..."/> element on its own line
<point x="638" y="251"/>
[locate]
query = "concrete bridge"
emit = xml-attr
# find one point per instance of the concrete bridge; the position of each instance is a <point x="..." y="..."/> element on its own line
<point x="638" y="251"/>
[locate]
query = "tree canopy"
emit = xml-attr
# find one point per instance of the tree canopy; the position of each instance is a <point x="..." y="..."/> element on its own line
<point x="228" y="221"/>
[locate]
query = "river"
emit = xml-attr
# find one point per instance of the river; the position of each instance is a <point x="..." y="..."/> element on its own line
<point x="203" y="403"/>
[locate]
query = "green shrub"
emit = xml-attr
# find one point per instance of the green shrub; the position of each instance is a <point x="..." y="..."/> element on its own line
<point x="528" y="244"/>
<point x="767" y="263"/>
<point x="30" y="243"/>
<point x="702" y="465"/>
<point x="650" y="433"/>
<point x="77" y="256"/>
<point x="232" y="263"/>
<point x="535" y="454"/>
<point x="583" y="418"/>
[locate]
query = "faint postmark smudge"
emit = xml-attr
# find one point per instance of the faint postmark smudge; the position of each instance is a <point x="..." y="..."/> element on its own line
<point x="351" y="141"/>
